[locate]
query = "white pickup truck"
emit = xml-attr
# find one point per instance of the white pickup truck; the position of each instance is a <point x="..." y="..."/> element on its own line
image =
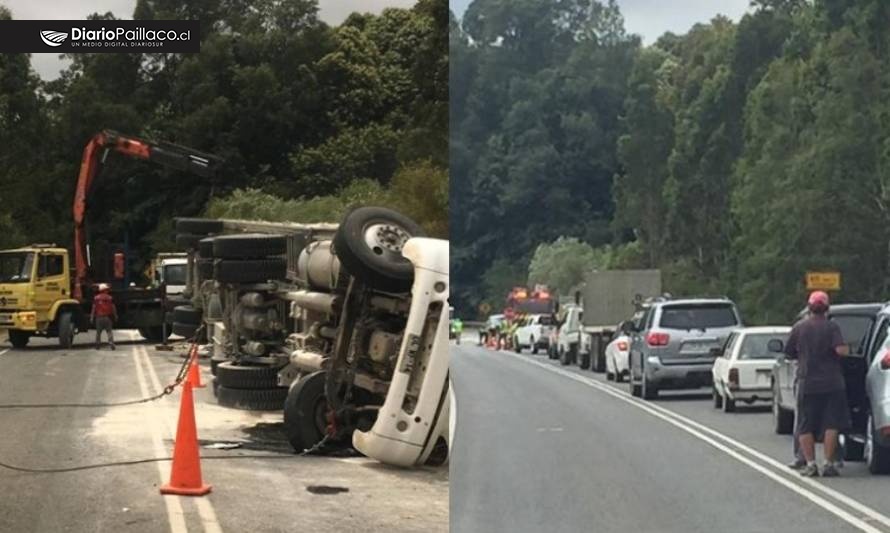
<point x="535" y="333"/>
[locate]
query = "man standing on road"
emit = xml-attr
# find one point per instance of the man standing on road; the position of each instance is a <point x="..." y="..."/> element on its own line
<point x="104" y="315"/>
<point x="818" y="345"/>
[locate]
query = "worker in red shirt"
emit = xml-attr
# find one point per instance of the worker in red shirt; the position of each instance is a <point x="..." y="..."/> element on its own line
<point x="104" y="315"/>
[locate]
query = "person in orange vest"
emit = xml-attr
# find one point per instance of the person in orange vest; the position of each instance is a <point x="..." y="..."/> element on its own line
<point x="104" y="315"/>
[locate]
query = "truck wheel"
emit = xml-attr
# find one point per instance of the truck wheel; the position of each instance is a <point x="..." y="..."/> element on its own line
<point x="249" y="270"/>
<point x="305" y="411"/>
<point x="185" y="330"/>
<point x="248" y="246"/>
<point x="19" y="338"/>
<point x="66" y="330"/>
<point x="246" y="377"/>
<point x="188" y="241"/>
<point x="153" y="333"/>
<point x="186" y="314"/>
<point x="369" y="245"/>
<point x="251" y="399"/>
<point x="198" y="225"/>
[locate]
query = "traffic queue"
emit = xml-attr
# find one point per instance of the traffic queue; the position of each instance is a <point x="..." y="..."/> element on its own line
<point x="692" y="343"/>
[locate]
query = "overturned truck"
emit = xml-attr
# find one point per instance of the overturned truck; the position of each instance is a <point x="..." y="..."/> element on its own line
<point x="344" y="327"/>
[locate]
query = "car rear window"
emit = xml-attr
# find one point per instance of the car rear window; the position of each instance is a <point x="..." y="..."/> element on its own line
<point x="755" y="346"/>
<point x="546" y="320"/>
<point x="696" y="316"/>
<point x="853" y="328"/>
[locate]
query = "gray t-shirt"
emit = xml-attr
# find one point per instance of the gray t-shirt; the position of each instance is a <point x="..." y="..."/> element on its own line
<point x="812" y="342"/>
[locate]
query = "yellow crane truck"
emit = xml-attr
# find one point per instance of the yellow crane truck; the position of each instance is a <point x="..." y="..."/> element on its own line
<point x="36" y="299"/>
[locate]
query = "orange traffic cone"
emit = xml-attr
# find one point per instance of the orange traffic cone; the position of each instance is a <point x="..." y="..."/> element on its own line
<point x="185" y="477"/>
<point x="194" y="374"/>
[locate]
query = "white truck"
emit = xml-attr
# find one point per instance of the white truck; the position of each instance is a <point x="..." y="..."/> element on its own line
<point x="344" y="327"/>
<point x="606" y="299"/>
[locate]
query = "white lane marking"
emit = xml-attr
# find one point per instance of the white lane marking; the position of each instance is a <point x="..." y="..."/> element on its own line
<point x="690" y="425"/>
<point x="205" y="508"/>
<point x="175" y="514"/>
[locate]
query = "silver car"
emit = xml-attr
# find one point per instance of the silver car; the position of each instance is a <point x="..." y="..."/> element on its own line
<point x="675" y="343"/>
<point x="877" y="389"/>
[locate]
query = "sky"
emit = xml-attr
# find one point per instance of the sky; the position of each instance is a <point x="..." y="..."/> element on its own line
<point x="652" y="18"/>
<point x="48" y="65"/>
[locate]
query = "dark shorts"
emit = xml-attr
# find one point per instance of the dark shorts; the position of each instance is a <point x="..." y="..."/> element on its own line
<point x="822" y="411"/>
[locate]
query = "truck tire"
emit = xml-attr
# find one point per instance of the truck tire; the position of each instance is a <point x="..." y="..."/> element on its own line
<point x="186" y="314"/>
<point x="305" y="411"/>
<point x="154" y="333"/>
<point x="369" y="245"/>
<point x="203" y="226"/>
<point x="205" y="248"/>
<point x="185" y="330"/>
<point x="246" y="377"/>
<point x="188" y="241"/>
<point x="19" y="338"/>
<point x="249" y="270"/>
<point x="248" y="246"/>
<point x="205" y="269"/>
<point x="66" y="330"/>
<point x="583" y="359"/>
<point x="598" y="351"/>
<point x="251" y="399"/>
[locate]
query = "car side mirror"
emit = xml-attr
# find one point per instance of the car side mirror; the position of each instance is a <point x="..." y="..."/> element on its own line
<point x="776" y="346"/>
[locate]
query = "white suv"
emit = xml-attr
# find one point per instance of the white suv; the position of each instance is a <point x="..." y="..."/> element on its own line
<point x="535" y="334"/>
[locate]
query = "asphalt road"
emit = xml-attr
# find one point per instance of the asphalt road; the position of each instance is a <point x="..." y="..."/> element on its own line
<point x="266" y="494"/>
<point x="539" y="447"/>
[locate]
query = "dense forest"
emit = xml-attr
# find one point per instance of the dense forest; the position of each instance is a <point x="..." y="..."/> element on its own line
<point x="735" y="157"/>
<point x="310" y="120"/>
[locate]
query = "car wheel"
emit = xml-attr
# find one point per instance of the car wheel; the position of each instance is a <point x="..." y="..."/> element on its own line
<point x="369" y="245"/>
<point x="877" y="457"/>
<point x="516" y="346"/>
<point x="728" y="405"/>
<point x="649" y="389"/>
<point x="619" y="377"/>
<point x="534" y="345"/>
<point x="66" y="330"/>
<point x="583" y="359"/>
<point x="783" y="419"/>
<point x="635" y="390"/>
<point x="609" y="376"/>
<point x="718" y="399"/>
<point x="19" y="338"/>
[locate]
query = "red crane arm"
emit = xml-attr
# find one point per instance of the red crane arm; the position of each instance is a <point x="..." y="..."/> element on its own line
<point x="94" y="155"/>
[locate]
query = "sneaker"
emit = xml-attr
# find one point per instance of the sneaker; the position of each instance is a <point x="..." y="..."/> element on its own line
<point x="797" y="464"/>
<point x="809" y="471"/>
<point x="829" y="470"/>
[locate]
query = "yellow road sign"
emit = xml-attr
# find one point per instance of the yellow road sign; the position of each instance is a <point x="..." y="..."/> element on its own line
<point x="823" y="281"/>
<point x="484" y="308"/>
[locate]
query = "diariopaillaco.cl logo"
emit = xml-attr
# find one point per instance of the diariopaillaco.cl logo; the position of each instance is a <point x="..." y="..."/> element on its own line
<point x="53" y="38"/>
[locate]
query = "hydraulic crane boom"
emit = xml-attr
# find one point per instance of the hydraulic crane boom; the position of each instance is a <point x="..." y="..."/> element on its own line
<point x="166" y="154"/>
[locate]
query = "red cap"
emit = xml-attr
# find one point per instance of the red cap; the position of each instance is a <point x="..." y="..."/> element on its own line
<point x="818" y="299"/>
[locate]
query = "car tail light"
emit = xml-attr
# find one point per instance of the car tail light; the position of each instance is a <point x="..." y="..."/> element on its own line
<point x="885" y="361"/>
<point x="733" y="378"/>
<point x="622" y="346"/>
<point x="657" y="339"/>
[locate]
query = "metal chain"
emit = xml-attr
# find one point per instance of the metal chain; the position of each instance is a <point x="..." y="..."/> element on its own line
<point x="180" y="377"/>
<point x="318" y="446"/>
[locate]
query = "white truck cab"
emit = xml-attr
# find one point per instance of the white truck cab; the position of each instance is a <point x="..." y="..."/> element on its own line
<point x="170" y="269"/>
